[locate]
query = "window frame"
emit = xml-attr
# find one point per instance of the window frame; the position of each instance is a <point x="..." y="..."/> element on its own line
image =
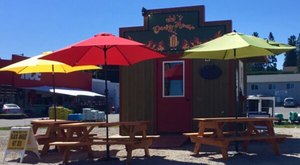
<point x="163" y="79"/>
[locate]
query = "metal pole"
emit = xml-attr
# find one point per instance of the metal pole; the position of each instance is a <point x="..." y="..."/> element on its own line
<point x="106" y="102"/>
<point x="54" y="99"/>
<point x="236" y="84"/>
<point x="236" y="77"/>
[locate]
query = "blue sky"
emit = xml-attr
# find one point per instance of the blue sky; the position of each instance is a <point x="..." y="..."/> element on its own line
<point x="34" y="26"/>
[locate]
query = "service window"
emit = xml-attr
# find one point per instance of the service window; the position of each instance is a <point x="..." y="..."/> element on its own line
<point x="173" y="79"/>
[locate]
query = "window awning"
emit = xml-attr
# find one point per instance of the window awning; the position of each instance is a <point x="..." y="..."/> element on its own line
<point x="66" y="91"/>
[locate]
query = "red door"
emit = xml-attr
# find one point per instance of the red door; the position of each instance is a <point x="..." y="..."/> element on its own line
<point x="174" y="112"/>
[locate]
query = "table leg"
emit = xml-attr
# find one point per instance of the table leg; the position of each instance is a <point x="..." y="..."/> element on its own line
<point x="275" y="147"/>
<point x="34" y="129"/>
<point x="129" y="154"/>
<point x="224" y="153"/>
<point x="197" y="148"/>
<point x="90" y="152"/>
<point x="245" y="146"/>
<point x="45" y="149"/>
<point x="147" y="153"/>
<point x="66" y="155"/>
<point x="201" y="130"/>
<point x="270" y="128"/>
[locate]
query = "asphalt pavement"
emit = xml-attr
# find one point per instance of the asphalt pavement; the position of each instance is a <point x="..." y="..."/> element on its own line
<point x="27" y="121"/>
<point x="114" y="117"/>
<point x="16" y="122"/>
<point x="286" y="111"/>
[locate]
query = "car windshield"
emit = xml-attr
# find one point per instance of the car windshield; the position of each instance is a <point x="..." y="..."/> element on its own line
<point x="289" y="100"/>
<point x="11" y="106"/>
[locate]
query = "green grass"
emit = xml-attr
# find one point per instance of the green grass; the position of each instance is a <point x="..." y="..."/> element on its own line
<point x="286" y="125"/>
<point x="8" y="128"/>
<point x="4" y="128"/>
<point x="12" y="116"/>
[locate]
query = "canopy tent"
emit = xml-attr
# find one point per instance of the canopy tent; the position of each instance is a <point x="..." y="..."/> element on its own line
<point x="66" y="91"/>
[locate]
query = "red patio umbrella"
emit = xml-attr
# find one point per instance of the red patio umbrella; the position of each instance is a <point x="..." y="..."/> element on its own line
<point x="104" y="49"/>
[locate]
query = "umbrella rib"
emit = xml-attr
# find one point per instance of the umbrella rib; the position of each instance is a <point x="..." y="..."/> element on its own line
<point x="124" y="56"/>
<point x="64" y="69"/>
<point x="225" y="54"/>
<point x="21" y="70"/>
<point x="83" y="56"/>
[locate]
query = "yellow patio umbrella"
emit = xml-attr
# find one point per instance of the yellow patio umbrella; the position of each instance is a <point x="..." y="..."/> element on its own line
<point x="36" y="65"/>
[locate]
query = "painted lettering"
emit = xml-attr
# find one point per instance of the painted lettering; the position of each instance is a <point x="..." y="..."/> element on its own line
<point x="31" y="76"/>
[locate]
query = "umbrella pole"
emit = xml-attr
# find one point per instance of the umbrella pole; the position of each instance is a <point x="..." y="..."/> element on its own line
<point x="108" y="157"/>
<point x="236" y="77"/>
<point x="106" y="102"/>
<point x="53" y="95"/>
<point x="236" y="85"/>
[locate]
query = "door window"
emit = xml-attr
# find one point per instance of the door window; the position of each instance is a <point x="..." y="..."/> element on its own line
<point x="173" y="79"/>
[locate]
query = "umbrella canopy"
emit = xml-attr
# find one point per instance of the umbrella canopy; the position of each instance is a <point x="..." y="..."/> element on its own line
<point x="236" y="45"/>
<point x="35" y="64"/>
<point x="104" y="49"/>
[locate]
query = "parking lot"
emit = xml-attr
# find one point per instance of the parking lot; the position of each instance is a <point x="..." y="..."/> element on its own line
<point x="286" y="111"/>
<point x="26" y="121"/>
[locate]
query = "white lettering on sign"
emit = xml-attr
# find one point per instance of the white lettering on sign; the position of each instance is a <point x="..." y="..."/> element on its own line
<point x="32" y="76"/>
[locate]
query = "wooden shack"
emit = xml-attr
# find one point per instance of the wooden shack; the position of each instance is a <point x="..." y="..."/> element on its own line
<point x="170" y="92"/>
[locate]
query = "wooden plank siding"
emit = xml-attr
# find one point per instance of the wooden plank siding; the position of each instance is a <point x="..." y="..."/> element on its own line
<point x="138" y="93"/>
<point x="139" y="84"/>
<point x="210" y="97"/>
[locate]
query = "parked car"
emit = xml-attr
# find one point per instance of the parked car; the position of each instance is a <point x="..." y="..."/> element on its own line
<point x="289" y="102"/>
<point x="11" y="109"/>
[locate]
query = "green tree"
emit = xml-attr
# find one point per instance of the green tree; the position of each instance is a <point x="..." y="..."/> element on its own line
<point x="298" y="52"/>
<point x="291" y="56"/>
<point x="255" y="34"/>
<point x="271" y="65"/>
<point x="257" y="66"/>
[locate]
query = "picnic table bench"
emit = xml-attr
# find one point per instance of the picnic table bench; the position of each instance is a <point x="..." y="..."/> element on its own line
<point x="51" y="134"/>
<point x="211" y="132"/>
<point x="137" y="137"/>
<point x="78" y="136"/>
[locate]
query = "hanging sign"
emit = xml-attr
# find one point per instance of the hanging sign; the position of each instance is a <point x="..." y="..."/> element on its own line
<point x="210" y="72"/>
<point x="21" y="139"/>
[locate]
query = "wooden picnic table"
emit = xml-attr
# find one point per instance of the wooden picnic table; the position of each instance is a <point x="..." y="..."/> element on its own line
<point x="78" y="136"/>
<point x="51" y="134"/>
<point x="220" y="132"/>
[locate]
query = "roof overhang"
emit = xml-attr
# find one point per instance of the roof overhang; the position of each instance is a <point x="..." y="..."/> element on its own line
<point x="66" y="91"/>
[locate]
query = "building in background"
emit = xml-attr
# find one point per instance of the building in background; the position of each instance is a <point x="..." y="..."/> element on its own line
<point x="20" y="88"/>
<point x="278" y="85"/>
<point x="98" y="86"/>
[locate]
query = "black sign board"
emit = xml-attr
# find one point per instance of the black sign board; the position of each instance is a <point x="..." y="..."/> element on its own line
<point x="172" y="31"/>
